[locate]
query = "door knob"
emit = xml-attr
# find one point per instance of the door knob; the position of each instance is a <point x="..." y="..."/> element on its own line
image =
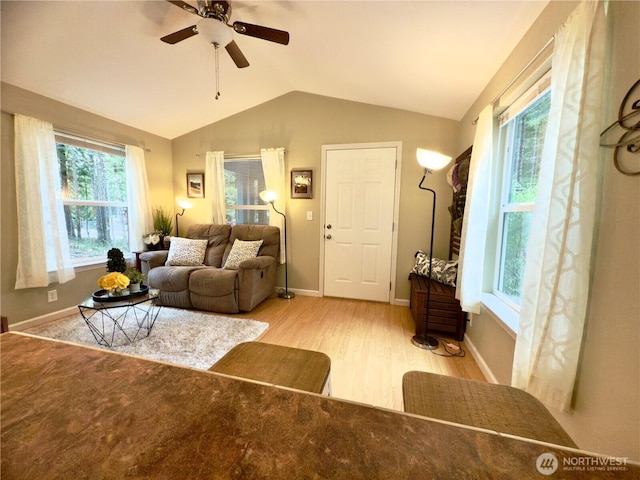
<point x="329" y="237"/>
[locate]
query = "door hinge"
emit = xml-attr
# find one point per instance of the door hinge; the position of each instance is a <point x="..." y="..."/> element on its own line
<point x="389" y="286"/>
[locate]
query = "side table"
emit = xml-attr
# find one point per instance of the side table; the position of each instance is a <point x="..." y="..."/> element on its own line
<point x="128" y="316"/>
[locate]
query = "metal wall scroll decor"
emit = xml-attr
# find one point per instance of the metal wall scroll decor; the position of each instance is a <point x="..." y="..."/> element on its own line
<point x="629" y="122"/>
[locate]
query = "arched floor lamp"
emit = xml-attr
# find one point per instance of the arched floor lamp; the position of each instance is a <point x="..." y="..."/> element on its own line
<point x="185" y="205"/>
<point x="430" y="161"/>
<point x="270" y="196"/>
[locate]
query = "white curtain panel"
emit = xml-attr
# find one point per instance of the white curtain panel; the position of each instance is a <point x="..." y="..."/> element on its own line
<point x="557" y="272"/>
<point x="274" y="177"/>
<point x="43" y="246"/>
<point x="139" y="207"/>
<point x="475" y="223"/>
<point x="214" y="186"/>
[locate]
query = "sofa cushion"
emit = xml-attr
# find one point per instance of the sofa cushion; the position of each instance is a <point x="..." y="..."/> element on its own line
<point x="240" y="251"/>
<point x="186" y="252"/>
<point x="269" y="235"/>
<point x="171" y="279"/>
<point x="213" y="282"/>
<point x="217" y="237"/>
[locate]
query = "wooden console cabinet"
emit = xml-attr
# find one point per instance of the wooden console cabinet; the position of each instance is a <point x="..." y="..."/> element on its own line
<point x="445" y="314"/>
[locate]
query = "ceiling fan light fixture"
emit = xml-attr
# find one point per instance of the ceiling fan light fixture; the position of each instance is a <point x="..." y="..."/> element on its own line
<point x="215" y="32"/>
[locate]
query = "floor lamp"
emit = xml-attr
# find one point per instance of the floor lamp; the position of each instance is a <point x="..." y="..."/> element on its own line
<point x="185" y="205"/>
<point x="270" y="196"/>
<point x="430" y="161"/>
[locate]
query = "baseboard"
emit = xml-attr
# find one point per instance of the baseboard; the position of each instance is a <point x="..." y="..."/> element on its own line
<point x="301" y="292"/>
<point x="49" y="317"/>
<point x="315" y="293"/>
<point x="484" y="368"/>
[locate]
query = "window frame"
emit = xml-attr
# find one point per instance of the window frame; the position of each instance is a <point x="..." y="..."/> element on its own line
<point x="85" y="142"/>
<point x="245" y="207"/>
<point x="506" y="145"/>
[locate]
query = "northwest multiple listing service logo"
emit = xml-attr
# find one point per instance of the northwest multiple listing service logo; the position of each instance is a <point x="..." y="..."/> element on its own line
<point x="548" y="464"/>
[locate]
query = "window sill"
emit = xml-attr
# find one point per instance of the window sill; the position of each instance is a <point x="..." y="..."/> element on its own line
<point x="506" y="316"/>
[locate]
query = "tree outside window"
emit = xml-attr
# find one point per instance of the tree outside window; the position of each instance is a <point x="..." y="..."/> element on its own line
<point x="524" y="142"/>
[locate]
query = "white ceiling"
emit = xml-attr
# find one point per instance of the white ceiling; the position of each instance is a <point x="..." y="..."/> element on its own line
<point x="106" y="57"/>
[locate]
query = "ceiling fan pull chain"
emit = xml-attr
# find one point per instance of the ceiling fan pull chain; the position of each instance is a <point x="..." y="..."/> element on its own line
<point x="216" y="46"/>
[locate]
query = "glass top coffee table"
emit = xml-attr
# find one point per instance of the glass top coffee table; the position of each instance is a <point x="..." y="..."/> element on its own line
<point x="120" y="319"/>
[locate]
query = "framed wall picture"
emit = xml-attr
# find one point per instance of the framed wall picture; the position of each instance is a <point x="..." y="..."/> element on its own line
<point x="301" y="183"/>
<point x="195" y="185"/>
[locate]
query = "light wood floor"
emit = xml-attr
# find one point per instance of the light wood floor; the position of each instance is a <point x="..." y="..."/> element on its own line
<point x="369" y="345"/>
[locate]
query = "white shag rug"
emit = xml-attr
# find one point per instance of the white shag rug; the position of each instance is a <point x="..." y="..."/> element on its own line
<point x="184" y="337"/>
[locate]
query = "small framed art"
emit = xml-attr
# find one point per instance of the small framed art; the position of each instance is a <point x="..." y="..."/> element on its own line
<point x="301" y="183"/>
<point x="195" y="185"/>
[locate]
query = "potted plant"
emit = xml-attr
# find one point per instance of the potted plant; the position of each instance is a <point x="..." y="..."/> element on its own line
<point x="162" y="221"/>
<point x="116" y="261"/>
<point x="135" y="279"/>
<point x="151" y="240"/>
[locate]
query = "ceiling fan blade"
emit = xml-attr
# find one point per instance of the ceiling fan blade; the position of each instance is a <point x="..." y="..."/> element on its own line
<point x="236" y="55"/>
<point x="180" y="35"/>
<point x="184" y="5"/>
<point x="265" y="33"/>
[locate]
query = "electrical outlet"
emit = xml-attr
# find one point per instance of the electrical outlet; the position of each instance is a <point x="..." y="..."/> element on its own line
<point x="52" y="296"/>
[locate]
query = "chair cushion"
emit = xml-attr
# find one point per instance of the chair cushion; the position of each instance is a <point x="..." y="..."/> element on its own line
<point x="443" y="271"/>
<point x="500" y="408"/>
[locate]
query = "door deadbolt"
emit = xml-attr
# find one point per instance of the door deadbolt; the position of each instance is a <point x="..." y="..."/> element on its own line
<point x="329" y="226"/>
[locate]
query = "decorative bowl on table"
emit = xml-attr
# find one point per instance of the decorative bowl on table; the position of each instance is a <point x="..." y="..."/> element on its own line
<point x="106" y="296"/>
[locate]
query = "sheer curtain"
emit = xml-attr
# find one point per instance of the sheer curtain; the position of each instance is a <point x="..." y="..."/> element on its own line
<point x="475" y="223"/>
<point x="43" y="245"/>
<point x="274" y="178"/>
<point x="139" y="207"/>
<point x="557" y="273"/>
<point x="214" y="186"/>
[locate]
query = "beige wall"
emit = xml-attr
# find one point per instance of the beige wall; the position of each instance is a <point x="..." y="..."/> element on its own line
<point x="24" y="304"/>
<point x="302" y="123"/>
<point x="606" y="414"/>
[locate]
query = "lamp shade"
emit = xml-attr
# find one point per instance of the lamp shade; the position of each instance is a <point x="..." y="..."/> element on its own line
<point x="432" y="160"/>
<point x="215" y="31"/>
<point x="184" y="203"/>
<point x="268" y="196"/>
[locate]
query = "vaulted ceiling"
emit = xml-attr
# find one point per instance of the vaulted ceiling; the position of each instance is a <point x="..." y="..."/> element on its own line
<point x="106" y="57"/>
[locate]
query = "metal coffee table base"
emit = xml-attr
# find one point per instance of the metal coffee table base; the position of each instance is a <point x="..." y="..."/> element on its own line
<point x="127" y="320"/>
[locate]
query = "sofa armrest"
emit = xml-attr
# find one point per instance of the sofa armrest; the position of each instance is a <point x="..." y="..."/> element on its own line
<point x="152" y="259"/>
<point x="256" y="281"/>
<point x="262" y="261"/>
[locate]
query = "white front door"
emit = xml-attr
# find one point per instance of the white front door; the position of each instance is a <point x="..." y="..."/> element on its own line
<point x="358" y="223"/>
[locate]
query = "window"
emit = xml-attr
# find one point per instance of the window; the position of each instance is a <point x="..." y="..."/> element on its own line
<point x="522" y="132"/>
<point x="94" y="193"/>
<point x="244" y="180"/>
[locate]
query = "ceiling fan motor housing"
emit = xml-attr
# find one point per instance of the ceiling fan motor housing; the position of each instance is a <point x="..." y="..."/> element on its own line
<point x="215" y="9"/>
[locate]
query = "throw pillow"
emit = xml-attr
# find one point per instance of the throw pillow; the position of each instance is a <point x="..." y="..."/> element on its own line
<point x="443" y="271"/>
<point x="186" y="252"/>
<point x="241" y="251"/>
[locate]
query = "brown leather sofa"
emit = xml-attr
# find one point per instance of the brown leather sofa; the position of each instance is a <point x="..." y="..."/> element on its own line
<point x="209" y="286"/>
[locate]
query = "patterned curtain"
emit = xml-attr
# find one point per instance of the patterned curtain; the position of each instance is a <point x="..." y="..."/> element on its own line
<point x="557" y="273"/>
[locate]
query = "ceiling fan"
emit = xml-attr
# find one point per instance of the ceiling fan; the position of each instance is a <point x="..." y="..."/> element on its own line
<point x="213" y="26"/>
